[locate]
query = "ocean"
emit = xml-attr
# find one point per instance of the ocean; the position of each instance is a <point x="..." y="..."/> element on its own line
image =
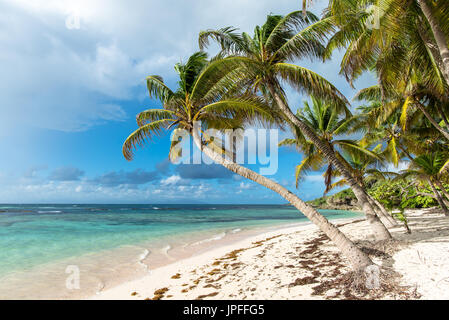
<point x="112" y="243"/>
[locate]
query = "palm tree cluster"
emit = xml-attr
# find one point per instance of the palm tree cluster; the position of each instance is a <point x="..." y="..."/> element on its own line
<point x="403" y="118"/>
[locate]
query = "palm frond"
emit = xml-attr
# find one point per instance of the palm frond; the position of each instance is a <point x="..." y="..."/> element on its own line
<point x="157" y="88"/>
<point x="151" y="115"/>
<point x="230" y="41"/>
<point x="305" y="80"/>
<point x="138" y="137"/>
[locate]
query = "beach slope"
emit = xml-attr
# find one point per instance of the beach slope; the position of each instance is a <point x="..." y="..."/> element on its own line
<point x="301" y="263"/>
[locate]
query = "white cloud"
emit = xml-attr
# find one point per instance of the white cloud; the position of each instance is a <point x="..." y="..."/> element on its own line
<point x="65" y="79"/>
<point x="315" y="178"/>
<point x="72" y="79"/>
<point x="245" y="186"/>
<point x="171" y="180"/>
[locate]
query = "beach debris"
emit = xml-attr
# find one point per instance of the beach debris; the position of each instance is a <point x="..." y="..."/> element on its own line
<point x="159" y="294"/>
<point x="214" y="271"/>
<point x="303" y="281"/>
<point x="201" y="297"/>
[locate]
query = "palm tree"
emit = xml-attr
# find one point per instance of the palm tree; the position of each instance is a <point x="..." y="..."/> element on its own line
<point x="400" y="136"/>
<point x="206" y="92"/>
<point x="428" y="168"/>
<point x="407" y="97"/>
<point x="385" y="129"/>
<point x="401" y="50"/>
<point x="331" y="128"/>
<point x="402" y="27"/>
<point x="437" y="14"/>
<point x="364" y="169"/>
<point x="266" y="57"/>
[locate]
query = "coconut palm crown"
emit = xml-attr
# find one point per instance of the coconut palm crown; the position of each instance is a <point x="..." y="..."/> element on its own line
<point x="430" y="168"/>
<point x="269" y="51"/>
<point x="209" y="92"/>
<point x="330" y="127"/>
<point x="267" y="56"/>
<point x="203" y="95"/>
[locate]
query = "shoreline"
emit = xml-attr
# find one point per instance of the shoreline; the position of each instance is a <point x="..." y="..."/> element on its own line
<point x="104" y="269"/>
<point x="297" y="262"/>
<point x="162" y="274"/>
<point x="126" y="263"/>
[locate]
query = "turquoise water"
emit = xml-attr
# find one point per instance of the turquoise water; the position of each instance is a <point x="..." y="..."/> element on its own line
<point x="32" y="235"/>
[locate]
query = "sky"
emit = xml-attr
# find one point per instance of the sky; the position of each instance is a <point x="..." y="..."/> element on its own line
<point x="72" y="81"/>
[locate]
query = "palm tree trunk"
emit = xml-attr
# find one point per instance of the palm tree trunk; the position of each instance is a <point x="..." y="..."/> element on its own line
<point x="443" y="190"/>
<point x="358" y="259"/>
<point x="385" y="212"/>
<point x="382" y="212"/>
<point x="439" y="198"/>
<point x="433" y="121"/>
<point x="378" y="212"/>
<point x="430" y="44"/>
<point x="379" y="229"/>
<point x="439" y="36"/>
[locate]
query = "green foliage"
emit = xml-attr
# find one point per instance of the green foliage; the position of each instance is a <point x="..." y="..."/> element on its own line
<point x="206" y="93"/>
<point x="347" y="193"/>
<point x="401" y="217"/>
<point x="322" y="201"/>
<point x="402" y="195"/>
<point x="319" y="202"/>
<point x="392" y="194"/>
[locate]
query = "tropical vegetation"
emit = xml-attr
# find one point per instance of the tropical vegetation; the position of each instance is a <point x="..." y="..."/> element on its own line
<point x="401" y="122"/>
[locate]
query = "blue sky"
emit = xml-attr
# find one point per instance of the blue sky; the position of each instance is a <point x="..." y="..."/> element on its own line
<point x="69" y="97"/>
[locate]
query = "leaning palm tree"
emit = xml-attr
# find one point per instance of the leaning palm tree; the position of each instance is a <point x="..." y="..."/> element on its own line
<point x="383" y="124"/>
<point x="410" y="96"/>
<point x="207" y="93"/>
<point x="437" y="15"/>
<point x="266" y="57"/>
<point x="375" y="30"/>
<point x="400" y="48"/>
<point x="428" y="168"/>
<point x="364" y="168"/>
<point x="333" y="129"/>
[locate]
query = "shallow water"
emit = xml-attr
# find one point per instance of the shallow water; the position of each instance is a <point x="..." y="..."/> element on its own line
<point x="113" y="243"/>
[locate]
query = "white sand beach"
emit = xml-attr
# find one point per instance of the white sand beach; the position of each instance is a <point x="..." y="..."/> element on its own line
<point x="301" y="263"/>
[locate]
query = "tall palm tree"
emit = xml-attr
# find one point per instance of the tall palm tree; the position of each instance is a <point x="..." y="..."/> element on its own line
<point x="402" y="26"/>
<point x="266" y="56"/>
<point x="364" y="169"/>
<point x="206" y="92"/>
<point x="428" y="168"/>
<point x="331" y="128"/>
<point x="401" y="49"/>
<point x="406" y="51"/>
<point x="407" y="97"/>
<point x="437" y="14"/>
